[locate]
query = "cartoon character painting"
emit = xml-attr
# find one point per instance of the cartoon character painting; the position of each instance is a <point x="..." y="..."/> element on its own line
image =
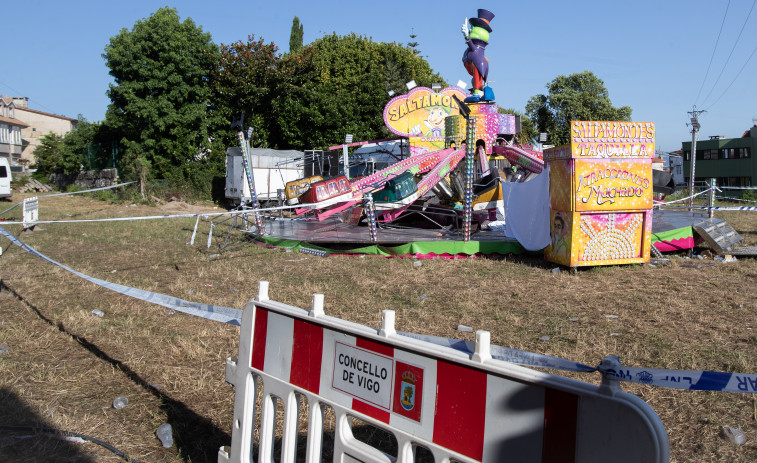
<point x="433" y="126"/>
<point x="559" y="236"/>
<point x="474" y="57"/>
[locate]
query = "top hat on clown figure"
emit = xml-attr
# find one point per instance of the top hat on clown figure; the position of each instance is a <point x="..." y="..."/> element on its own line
<point x="483" y="20"/>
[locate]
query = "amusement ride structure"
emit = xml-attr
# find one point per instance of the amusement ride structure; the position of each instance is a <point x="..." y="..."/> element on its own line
<point x="466" y="185"/>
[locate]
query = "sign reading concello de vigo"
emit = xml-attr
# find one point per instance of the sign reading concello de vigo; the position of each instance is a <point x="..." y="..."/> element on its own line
<point x="461" y="405"/>
<point x="363" y="374"/>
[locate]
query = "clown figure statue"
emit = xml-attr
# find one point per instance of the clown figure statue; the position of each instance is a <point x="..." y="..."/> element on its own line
<point x="474" y="59"/>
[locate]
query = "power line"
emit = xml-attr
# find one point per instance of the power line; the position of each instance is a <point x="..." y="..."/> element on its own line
<point x="717" y="41"/>
<point x="734" y="79"/>
<point x="18" y="93"/>
<point x="731" y="53"/>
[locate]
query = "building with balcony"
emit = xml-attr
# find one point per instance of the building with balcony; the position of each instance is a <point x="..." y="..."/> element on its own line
<point x="731" y="161"/>
<point x="11" y="142"/>
<point x="37" y="125"/>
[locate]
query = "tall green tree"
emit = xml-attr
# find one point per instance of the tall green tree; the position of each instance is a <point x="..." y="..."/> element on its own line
<point x="160" y="99"/>
<point x="295" y="37"/>
<point x="581" y="96"/>
<point x="338" y="85"/>
<point x="412" y="43"/>
<point x="243" y="82"/>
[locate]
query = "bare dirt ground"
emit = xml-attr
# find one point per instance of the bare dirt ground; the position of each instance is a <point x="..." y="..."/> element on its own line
<point x="64" y="365"/>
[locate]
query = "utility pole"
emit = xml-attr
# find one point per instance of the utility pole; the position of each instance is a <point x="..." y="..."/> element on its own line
<point x="694" y="130"/>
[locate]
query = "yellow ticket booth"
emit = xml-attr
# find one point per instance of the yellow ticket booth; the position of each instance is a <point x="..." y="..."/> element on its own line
<point x="600" y="188"/>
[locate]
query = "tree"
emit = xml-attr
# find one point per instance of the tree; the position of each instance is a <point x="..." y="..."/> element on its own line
<point x="295" y="37"/>
<point x="338" y="85"/>
<point x="242" y="82"/>
<point x="64" y="154"/>
<point x="412" y="43"/>
<point x="160" y="98"/>
<point x="49" y="154"/>
<point x="581" y="96"/>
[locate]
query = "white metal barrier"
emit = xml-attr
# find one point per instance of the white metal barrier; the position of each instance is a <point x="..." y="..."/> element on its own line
<point x="459" y="408"/>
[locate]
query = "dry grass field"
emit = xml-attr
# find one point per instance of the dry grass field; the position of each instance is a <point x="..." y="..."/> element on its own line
<point x="64" y="365"/>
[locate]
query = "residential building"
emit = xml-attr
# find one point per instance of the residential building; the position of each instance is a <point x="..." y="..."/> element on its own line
<point x="732" y="161"/>
<point x="37" y="124"/>
<point x="11" y="142"/>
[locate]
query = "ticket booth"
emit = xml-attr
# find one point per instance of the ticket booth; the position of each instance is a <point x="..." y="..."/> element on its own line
<point x="600" y="188"/>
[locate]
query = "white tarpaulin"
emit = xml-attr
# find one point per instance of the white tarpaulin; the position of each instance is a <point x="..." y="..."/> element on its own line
<point x="527" y="211"/>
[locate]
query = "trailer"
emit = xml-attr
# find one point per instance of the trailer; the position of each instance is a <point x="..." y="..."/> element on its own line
<point x="271" y="170"/>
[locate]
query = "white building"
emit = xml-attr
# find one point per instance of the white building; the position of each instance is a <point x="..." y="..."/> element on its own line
<point x="38" y="124"/>
<point x="11" y="128"/>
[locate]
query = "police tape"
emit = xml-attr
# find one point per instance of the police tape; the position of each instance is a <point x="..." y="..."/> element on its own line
<point x="684" y="379"/>
<point x="207" y="311"/>
<point x="519" y="357"/>
<point x="130" y="219"/>
<point x="684" y="199"/>
<point x="676" y="379"/>
<point x="150" y="217"/>
<point x="720" y="208"/>
<point x="69" y="193"/>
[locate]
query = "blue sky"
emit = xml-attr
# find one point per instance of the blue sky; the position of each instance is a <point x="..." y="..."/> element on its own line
<point x="652" y="55"/>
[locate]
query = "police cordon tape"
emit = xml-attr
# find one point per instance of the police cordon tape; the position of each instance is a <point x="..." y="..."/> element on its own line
<point x="70" y="193"/>
<point x="208" y="311"/>
<point x="86" y="191"/>
<point x="719" y="208"/>
<point x="675" y="379"/>
<point x="661" y="203"/>
<point x="149" y="217"/>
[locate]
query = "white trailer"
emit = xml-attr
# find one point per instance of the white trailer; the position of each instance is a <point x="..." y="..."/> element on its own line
<point x="271" y="170"/>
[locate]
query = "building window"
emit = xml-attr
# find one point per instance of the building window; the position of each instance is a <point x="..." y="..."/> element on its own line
<point x="705" y="155"/>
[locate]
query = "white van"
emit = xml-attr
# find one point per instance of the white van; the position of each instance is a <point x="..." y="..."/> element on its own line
<point x="5" y="178"/>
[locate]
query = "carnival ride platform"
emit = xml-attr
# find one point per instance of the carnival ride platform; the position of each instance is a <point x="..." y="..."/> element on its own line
<point x="672" y="230"/>
<point x="335" y="235"/>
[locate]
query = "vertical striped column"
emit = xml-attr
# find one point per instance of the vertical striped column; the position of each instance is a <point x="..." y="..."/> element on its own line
<point x="470" y="150"/>
<point x="369" y="212"/>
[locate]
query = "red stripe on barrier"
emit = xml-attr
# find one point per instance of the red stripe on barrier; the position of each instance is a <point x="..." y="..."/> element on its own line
<point x="560" y="414"/>
<point x="376" y="347"/>
<point x="307" y="349"/>
<point x="259" y="338"/>
<point x="370" y="410"/>
<point x="460" y="409"/>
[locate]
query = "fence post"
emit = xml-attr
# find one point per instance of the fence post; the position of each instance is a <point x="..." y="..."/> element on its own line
<point x="713" y="184"/>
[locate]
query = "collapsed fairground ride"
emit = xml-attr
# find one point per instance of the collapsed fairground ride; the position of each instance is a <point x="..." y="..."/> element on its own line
<point x="410" y="185"/>
<point x="462" y="183"/>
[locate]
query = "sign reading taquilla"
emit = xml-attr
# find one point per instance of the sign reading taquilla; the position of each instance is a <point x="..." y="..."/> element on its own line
<point x="612" y="139"/>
